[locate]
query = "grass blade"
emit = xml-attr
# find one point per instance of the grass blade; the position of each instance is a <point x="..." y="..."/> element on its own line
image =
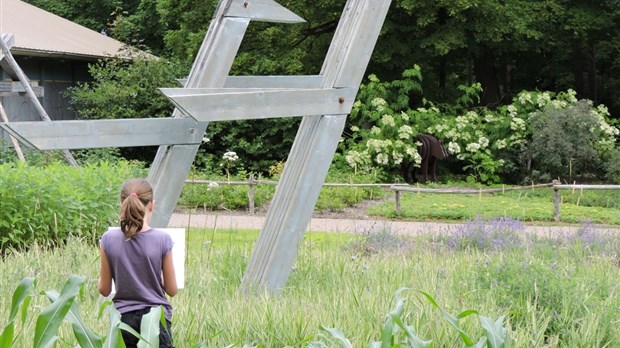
<point x="51" y="317"/>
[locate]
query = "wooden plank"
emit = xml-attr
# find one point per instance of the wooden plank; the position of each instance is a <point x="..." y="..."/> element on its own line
<point x="262" y="10"/>
<point x="303" y="81"/>
<point x="11" y="88"/>
<point x="236" y="104"/>
<point x="105" y="133"/>
<point x="273" y="81"/>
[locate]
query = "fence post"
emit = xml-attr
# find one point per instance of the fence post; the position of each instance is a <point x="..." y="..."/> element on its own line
<point x="398" y="212"/>
<point x="251" y="194"/>
<point x="556" y="201"/>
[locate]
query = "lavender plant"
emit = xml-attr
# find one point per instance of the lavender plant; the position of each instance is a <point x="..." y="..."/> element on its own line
<point x="500" y="233"/>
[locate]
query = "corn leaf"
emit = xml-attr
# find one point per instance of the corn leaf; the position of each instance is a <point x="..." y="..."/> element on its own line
<point x="51" y="317"/>
<point x="85" y="337"/>
<point x="149" y="328"/>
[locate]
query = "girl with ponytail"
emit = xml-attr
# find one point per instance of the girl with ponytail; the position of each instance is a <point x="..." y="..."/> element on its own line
<point x="138" y="258"/>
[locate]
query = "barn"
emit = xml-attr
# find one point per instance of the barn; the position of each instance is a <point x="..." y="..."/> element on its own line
<point x="54" y="54"/>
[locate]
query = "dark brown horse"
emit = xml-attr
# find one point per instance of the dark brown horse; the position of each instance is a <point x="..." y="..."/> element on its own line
<point x="431" y="150"/>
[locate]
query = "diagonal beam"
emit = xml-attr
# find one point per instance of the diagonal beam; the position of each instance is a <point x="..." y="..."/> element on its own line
<point x="237" y="104"/>
<point x="313" y="149"/>
<point x="262" y="10"/>
<point x="211" y="68"/>
<point x="105" y="133"/>
<point x="14" y="67"/>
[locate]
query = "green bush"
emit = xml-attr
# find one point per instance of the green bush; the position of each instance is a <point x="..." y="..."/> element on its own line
<point x="48" y="204"/>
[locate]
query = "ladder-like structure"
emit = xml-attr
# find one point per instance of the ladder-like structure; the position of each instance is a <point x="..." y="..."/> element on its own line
<point x="210" y="94"/>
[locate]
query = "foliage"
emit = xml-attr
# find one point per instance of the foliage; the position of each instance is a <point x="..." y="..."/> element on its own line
<point x="539" y="136"/>
<point x="47" y="205"/>
<point x="64" y="307"/>
<point x="395" y="333"/>
<point x="123" y="89"/>
<point x="333" y="286"/>
<point x="383" y="134"/>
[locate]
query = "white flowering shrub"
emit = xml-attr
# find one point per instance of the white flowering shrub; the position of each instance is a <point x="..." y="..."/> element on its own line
<point x="490" y="145"/>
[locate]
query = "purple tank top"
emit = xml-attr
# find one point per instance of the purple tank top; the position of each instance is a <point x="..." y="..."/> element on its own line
<point x="136" y="266"/>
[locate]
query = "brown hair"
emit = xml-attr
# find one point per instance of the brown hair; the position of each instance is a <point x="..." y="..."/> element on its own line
<point x="136" y="194"/>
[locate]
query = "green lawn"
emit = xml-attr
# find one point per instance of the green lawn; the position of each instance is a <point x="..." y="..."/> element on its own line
<point x="528" y="206"/>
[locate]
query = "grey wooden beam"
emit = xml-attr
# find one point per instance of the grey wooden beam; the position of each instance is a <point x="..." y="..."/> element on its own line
<point x="291" y="208"/>
<point x="8" y="57"/>
<point x="262" y="10"/>
<point x="237" y="104"/>
<point x="272" y="81"/>
<point x="105" y="133"/>
<point x="210" y="70"/>
<point x="308" y="81"/>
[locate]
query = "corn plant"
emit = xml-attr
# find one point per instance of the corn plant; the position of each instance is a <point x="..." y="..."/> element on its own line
<point x="64" y="307"/>
<point x="395" y="333"/>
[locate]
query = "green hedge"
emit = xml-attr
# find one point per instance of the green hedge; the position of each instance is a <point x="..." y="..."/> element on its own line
<point x="48" y="204"/>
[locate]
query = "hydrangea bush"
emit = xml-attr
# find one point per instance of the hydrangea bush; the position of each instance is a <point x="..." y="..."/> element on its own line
<point x="513" y="142"/>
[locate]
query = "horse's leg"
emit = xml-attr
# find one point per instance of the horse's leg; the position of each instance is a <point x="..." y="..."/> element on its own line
<point x="407" y="172"/>
<point x="432" y="166"/>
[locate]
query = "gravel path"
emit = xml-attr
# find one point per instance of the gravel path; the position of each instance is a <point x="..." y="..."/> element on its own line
<point x="355" y="225"/>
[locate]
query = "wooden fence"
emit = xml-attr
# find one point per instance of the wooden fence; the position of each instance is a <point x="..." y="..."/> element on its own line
<point x="555" y="185"/>
<point x="252" y="182"/>
<point x="398" y="188"/>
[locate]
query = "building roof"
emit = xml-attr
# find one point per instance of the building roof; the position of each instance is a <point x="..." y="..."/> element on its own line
<point x="41" y="33"/>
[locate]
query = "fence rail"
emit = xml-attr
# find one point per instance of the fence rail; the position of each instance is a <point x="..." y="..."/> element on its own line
<point x="251" y="183"/>
<point x="398" y="188"/>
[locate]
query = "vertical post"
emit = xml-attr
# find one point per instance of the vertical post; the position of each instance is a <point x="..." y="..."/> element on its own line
<point x="18" y="149"/>
<point x="29" y="92"/>
<point x="556" y="201"/>
<point x="251" y="194"/>
<point x="398" y="211"/>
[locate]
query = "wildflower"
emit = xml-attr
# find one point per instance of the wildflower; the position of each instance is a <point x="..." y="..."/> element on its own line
<point x="472" y="147"/>
<point x="405" y="132"/>
<point x="525" y="98"/>
<point x="375" y="130"/>
<point x="517" y="124"/>
<point x="382" y="159"/>
<point x="388" y="120"/>
<point x="355" y="129"/>
<point x="404" y="116"/>
<point x="205" y="140"/>
<point x="501" y="144"/>
<point x="230" y="156"/>
<point x="378" y="103"/>
<point x="454" y="148"/>
<point x="483" y="141"/>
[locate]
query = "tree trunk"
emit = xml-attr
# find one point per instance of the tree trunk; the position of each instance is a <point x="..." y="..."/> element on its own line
<point x="592" y="90"/>
<point x="577" y="64"/>
<point x="486" y="74"/>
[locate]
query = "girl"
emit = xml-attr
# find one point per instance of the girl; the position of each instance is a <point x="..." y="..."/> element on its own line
<point x="139" y="260"/>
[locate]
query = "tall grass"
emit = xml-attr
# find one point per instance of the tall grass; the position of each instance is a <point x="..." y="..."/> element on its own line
<point x="553" y="292"/>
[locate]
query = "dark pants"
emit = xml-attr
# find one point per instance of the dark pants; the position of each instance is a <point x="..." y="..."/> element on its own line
<point x="134" y="319"/>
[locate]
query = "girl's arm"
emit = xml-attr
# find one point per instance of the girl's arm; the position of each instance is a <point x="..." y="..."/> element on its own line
<point x="105" y="275"/>
<point x="170" y="279"/>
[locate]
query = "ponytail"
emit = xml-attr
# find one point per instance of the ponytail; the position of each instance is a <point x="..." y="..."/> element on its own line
<point x="136" y="194"/>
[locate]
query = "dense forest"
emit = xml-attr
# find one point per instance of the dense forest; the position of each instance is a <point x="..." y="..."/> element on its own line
<point x="507" y="46"/>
